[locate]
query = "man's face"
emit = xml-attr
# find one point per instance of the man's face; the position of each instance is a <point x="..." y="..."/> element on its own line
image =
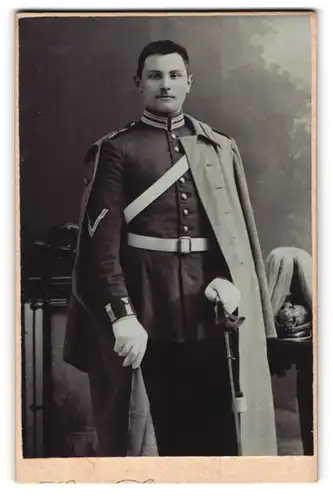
<point x="164" y="83"/>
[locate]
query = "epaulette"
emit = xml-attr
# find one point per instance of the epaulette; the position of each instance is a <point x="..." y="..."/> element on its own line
<point x="222" y="133"/>
<point x="91" y="153"/>
<point x="223" y="139"/>
<point x="115" y="133"/>
<point x="213" y="134"/>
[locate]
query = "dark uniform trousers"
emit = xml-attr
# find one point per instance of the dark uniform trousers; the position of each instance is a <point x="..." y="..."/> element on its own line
<point x="185" y="366"/>
<point x="189" y="395"/>
<point x="190" y="400"/>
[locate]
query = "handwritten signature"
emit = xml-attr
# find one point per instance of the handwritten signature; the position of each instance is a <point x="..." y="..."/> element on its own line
<point x="146" y="481"/>
<point x="71" y="481"/>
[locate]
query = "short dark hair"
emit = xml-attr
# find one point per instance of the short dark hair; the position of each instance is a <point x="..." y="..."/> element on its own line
<point x="161" y="47"/>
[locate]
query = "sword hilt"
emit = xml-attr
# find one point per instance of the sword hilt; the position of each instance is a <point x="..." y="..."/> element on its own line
<point x="231" y="322"/>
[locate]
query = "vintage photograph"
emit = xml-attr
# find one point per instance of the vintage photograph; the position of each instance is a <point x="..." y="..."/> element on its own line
<point x="167" y="243"/>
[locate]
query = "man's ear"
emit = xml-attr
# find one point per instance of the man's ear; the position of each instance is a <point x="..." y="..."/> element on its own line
<point x="137" y="82"/>
<point x="190" y="79"/>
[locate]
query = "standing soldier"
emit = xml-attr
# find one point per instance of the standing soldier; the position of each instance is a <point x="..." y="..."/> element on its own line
<point x="166" y="212"/>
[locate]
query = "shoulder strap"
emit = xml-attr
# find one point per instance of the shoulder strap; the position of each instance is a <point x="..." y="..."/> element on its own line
<point x="156" y="189"/>
<point x="93" y="149"/>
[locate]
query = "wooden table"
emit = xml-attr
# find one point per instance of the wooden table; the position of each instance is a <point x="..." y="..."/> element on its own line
<point x="283" y="353"/>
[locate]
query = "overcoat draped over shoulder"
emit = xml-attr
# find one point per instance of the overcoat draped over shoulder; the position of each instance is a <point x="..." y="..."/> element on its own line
<point x="220" y="180"/>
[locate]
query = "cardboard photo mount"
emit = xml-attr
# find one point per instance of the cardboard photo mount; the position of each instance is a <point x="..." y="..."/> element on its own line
<point x="162" y="469"/>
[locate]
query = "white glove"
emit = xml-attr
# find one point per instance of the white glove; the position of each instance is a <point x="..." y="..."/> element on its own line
<point x="221" y="290"/>
<point x="131" y="340"/>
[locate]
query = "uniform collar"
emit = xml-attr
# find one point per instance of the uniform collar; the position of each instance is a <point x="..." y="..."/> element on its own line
<point x="162" y="121"/>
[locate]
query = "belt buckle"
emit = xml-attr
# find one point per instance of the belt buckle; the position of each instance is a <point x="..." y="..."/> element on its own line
<point x="185" y="244"/>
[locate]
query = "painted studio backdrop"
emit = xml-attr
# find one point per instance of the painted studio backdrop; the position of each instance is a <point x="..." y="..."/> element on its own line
<point x="252" y="82"/>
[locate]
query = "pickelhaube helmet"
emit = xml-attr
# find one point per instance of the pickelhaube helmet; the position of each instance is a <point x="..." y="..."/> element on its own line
<point x="293" y="322"/>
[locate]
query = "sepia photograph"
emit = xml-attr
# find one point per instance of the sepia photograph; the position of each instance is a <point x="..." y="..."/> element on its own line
<point x="166" y="187"/>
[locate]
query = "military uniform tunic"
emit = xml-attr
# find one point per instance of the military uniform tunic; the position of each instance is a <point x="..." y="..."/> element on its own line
<point x="165" y="289"/>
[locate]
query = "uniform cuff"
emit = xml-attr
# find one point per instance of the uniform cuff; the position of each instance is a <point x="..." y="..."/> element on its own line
<point x="119" y="307"/>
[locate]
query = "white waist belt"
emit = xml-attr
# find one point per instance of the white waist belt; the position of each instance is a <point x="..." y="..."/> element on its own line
<point x="184" y="244"/>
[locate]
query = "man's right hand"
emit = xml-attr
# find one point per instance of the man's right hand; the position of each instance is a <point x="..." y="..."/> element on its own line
<point x="131" y="340"/>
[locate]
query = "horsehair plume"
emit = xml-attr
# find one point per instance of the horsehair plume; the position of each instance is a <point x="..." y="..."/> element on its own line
<point x="280" y="266"/>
